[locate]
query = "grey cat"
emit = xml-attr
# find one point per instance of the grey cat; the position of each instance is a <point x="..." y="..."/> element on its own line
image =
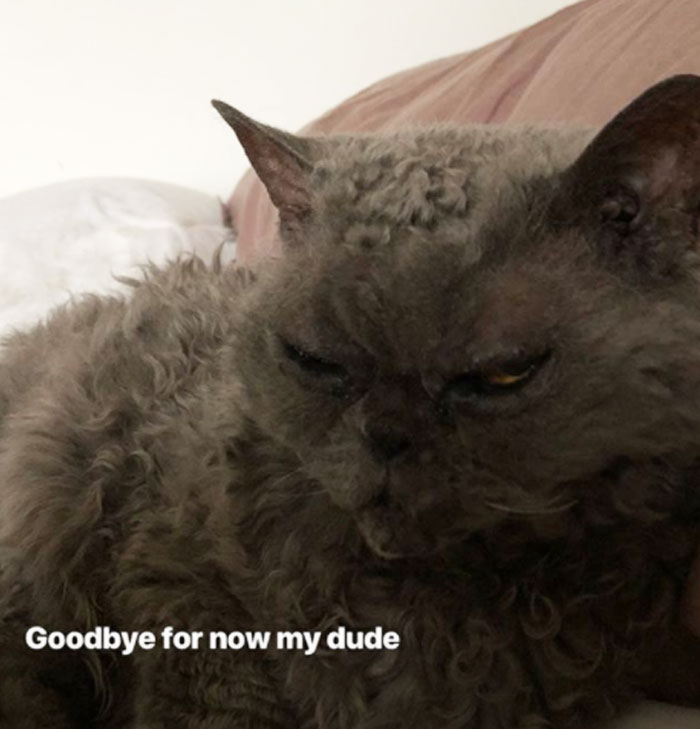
<point x="464" y="406"/>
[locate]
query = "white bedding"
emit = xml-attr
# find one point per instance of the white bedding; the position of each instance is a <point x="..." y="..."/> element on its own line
<point x="76" y="236"/>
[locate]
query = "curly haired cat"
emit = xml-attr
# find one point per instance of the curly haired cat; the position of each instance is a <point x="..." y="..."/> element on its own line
<point x="464" y="406"/>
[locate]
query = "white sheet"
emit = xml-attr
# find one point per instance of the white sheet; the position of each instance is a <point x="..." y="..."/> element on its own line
<point x="75" y="236"/>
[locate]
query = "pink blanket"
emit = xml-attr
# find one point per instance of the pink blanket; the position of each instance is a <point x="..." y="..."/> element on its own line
<point x="581" y="65"/>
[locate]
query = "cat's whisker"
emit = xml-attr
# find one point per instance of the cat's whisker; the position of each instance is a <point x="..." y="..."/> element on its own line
<point x="306" y="494"/>
<point x="296" y="494"/>
<point x="545" y="511"/>
<point x="282" y="479"/>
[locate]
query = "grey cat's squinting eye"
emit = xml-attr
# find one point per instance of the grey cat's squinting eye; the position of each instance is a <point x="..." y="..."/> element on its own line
<point x="319" y="368"/>
<point x="497" y="378"/>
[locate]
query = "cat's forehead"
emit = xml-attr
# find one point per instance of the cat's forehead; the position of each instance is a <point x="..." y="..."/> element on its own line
<point x="370" y="189"/>
<point x="415" y="242"/>
<point x="413" y="305"/>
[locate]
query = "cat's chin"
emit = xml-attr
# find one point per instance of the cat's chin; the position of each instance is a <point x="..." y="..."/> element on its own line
<point x="390" y="534"/>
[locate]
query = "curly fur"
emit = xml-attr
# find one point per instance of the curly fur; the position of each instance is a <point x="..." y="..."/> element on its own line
<point x="165" y="461"/>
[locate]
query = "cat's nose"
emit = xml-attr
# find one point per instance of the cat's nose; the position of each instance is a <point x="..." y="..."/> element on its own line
<point x="387" y="442"/>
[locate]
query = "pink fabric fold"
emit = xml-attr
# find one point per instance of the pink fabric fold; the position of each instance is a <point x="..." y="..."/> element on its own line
<point x="581" y="65"/>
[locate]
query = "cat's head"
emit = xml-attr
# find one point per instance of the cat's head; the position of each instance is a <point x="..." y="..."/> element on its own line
<point x="481" y="324"/>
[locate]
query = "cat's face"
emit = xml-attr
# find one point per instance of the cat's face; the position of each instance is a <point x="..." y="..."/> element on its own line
<point x="440" y="367"/>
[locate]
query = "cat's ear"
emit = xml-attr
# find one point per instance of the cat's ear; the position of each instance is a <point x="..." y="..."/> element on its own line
<point x="639" y="179"/>
<point x="283" y="163"/>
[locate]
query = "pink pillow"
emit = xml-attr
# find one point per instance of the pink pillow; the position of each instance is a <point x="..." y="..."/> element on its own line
<point x="580" y="65"/>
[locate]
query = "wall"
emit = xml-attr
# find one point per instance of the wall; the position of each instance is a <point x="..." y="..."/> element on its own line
<point x="102" y="87"/>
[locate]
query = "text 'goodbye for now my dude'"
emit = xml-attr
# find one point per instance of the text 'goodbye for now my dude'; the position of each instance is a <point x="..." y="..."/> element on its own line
<point x="126" y="642"/>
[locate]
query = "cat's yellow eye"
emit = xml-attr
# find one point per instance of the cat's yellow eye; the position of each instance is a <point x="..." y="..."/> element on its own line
<point x="502" y="378"/>
<point x="506" y="379"/>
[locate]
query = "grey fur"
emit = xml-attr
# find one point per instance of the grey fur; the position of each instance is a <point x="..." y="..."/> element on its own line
<point x="204" y="453"/>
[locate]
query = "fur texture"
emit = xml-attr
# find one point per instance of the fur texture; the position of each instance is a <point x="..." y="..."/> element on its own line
<point x="463" y="406"/>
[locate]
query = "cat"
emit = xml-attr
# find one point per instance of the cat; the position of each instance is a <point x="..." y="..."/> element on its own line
<point x="463" y="406"/>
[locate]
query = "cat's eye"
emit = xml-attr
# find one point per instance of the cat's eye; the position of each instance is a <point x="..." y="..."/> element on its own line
<point x="503" y="378"/>
<point x="318" y="368"/>
<point x="496" y="378"/>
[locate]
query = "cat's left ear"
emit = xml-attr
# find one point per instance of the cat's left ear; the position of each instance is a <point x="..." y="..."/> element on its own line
<point x="283" y="163"/>
<point x="638" y="181"/>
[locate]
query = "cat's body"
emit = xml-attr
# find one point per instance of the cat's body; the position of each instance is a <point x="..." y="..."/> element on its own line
<point x="335" y="442"/>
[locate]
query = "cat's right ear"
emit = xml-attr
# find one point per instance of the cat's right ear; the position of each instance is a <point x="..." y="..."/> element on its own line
<point x="637" y="183"/>
<point x="283" y="163"/>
